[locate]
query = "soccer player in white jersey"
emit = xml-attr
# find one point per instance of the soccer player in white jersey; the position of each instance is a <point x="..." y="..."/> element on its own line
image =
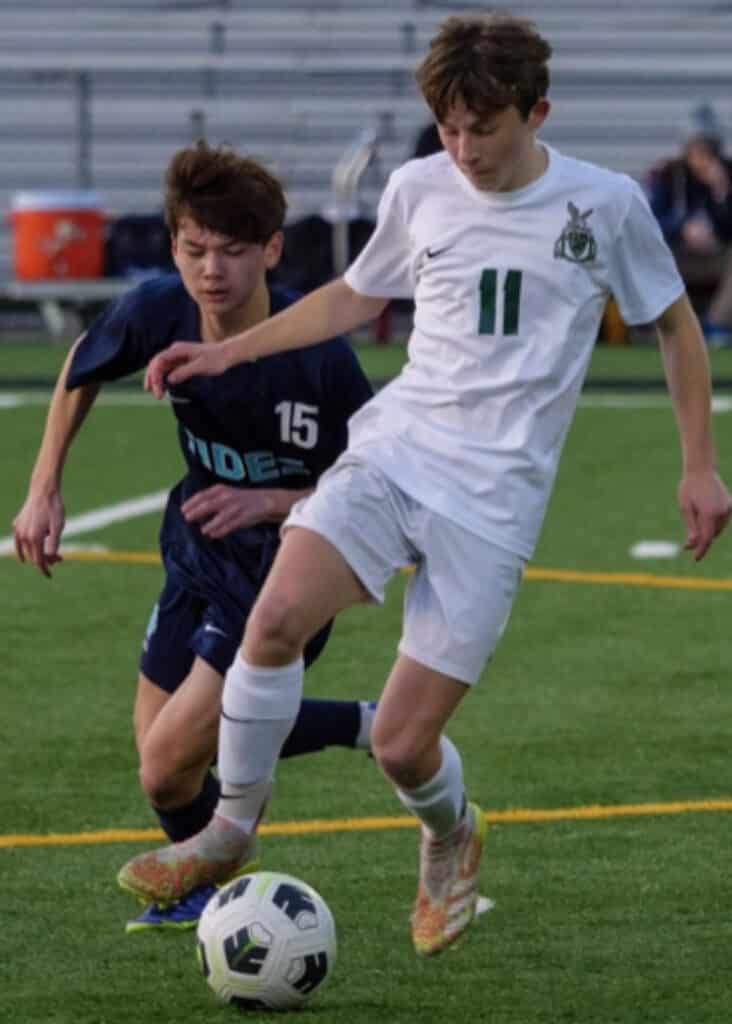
<point x="510" y="250"/>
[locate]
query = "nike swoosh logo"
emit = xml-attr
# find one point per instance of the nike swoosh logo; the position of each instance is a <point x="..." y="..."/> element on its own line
<point x="431" y="253"/>
<point x="210" y="628"/>
<point x="179" y="399"/>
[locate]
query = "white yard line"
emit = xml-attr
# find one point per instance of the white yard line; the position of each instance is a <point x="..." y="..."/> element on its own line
<point x="589" y="400"/>
<point x="655" y="549"/>
<point x="634" y="400"/>
<point x="15" y="399"/>
<point x="97" y="518"/>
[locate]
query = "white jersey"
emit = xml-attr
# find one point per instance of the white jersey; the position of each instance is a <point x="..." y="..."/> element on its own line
<point x="509" y="291"/>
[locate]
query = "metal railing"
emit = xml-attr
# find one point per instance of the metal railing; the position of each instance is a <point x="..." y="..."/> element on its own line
<point x="359" y="157"/>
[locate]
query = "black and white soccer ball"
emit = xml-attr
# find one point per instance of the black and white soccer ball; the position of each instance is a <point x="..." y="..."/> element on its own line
<point x="266" y="940"/>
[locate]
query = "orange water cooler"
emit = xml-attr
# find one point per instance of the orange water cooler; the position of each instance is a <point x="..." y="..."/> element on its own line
<point x="57" y="235"/>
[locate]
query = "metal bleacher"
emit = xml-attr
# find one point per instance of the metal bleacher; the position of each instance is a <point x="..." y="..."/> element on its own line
<point x="99" y="94"/>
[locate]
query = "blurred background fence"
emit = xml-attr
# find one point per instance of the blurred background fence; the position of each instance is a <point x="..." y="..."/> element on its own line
<point x="99" y="94"/>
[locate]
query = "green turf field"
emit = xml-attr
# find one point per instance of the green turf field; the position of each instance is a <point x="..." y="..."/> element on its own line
<point x="39" y="359"/>
<point x="606" y="692"/>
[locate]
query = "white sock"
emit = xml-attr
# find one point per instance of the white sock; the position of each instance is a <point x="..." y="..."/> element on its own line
<point x="439" y="803"/>
<point x="368" y="711"/>
<point x="258" y="709"/>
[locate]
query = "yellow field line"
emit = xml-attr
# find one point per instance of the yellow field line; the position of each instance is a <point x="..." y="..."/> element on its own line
<point x="595" y="812"/>
<point x="632" y="579"/>
<point x="142" y="557"/>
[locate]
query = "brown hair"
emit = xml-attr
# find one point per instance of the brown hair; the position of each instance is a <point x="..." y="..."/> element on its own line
<point x="224" y="192"/>
<point x="489" y="62"/>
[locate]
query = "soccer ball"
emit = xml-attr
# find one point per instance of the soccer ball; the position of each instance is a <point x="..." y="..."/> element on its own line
<point x="266" y="941"/>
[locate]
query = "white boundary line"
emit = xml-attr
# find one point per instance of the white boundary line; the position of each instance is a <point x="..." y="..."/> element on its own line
<point x="16" y="399"/>
<point x="630" y="400"/>
<point x="598" y="400"/>
<point x="98" y="518"/>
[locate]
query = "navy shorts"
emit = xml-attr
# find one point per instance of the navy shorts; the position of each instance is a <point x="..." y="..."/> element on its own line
<point x="184" y="625"/>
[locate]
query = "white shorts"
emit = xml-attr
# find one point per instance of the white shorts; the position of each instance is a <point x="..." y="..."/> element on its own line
<point x="460" y="595"/>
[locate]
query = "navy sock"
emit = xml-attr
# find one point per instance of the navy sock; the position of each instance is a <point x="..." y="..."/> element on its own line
<point x="183" y="822"/>
<point x="321" y="724"/>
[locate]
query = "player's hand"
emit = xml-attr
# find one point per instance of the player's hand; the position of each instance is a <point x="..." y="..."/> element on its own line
<point x="698" y="234"/>
<point x="37" y="531"/>
<point x="184" y="359"/>
<point x="706" y="506"/>
<point x="219" y="510"/>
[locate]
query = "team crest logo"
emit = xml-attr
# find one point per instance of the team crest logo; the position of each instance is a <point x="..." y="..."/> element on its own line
<point x="576" y="242"/>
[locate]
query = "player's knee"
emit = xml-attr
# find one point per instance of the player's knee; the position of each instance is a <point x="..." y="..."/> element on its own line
<point x="277" y="628"/>
<point x="162" y="781"/>
<point x="399" y="757"/>
<point x="157" y="785"/>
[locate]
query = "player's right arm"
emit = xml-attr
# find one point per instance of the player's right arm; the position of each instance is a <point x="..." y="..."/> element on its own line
<point x="383" y="270"/>
<point x="333" y="309"/>
<point x="38" y="525"/>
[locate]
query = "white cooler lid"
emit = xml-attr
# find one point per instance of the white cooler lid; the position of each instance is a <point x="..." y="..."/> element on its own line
<point x="72" y="199"/>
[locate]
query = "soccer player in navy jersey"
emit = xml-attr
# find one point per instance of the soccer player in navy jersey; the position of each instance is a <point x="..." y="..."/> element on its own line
<point x="254" y="441"/>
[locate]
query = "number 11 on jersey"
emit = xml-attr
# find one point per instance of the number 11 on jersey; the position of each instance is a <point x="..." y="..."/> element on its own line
<point x="511" y="300"/>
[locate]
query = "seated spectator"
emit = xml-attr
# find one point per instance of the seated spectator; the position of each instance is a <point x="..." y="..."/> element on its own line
<point x="691" y="195"/>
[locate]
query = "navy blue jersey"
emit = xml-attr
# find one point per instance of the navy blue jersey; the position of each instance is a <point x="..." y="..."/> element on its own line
<point x="277" y="422"/>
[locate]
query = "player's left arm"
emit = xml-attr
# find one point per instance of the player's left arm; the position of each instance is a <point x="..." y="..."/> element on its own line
<point x="221" y="509"/>
<point x="704" y="500"/>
